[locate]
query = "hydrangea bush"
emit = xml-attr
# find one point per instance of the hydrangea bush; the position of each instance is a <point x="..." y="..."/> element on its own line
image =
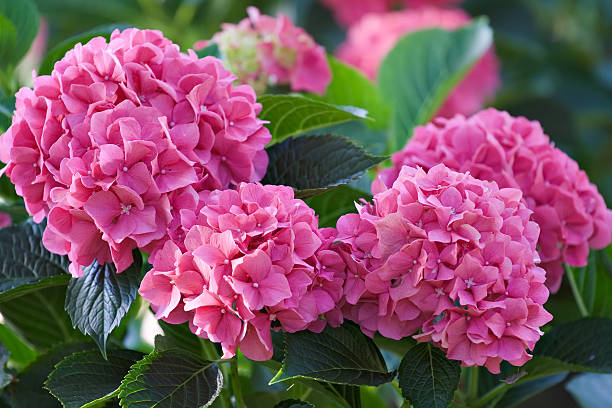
<point x="204" y="197"/>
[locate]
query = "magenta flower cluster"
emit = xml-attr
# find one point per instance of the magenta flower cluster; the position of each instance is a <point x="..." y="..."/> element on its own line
<point x="449" y="254"/>
<point x="369" y="41"/>
<point x="106" y="145"/>
<point x="264" y="50"/>
<point x="515" y="152"/>
<point x="254" y="259"/>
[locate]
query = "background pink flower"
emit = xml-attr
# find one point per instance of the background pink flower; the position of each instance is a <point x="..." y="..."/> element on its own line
<point x="451" y="255"/>
<point x="248" y="261"/>
<point x="113" y="142"/>
<point x="263" y="50"/>
<point x="515" y="152"/>
<point x="369" y="41"/>
<point x="5" y="220"/>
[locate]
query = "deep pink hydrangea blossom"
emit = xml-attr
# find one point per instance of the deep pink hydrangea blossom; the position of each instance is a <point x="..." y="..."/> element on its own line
<point x="253" y="259"/>
<point x="263" y="50"/>
<point x="515" y="152"/>
<point x="348" y="12"/>
<point x="5" y="220"/>
<point x="452" y="255"/>
<point x="369" y="41"/>
<point x="111" y="142"/>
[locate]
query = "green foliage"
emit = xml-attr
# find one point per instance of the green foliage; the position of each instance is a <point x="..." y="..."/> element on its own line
<point x="293" y="403"/>
<point x="349" y="87"/>
<point x="98" y="301"/>
<point x="5" y="376"/>
<point x="18" y="27"/>
<point x="315" y="164"/>
<point x="526" y="390"/>
<point x="28" y="390"/>
<point x="291" y="115"/>
<point x="40" y="318"/>
<point x="21" y="354"/>
<point x="341" y="355"/>
<point x="210" y="50"/>
<point x="332" y="204"/>
<point x="85" y="379"/>
<point x="421" y="70"/>
<point x="58" y="52"/>
<point x="171" y="378"/>
<point x="594" y="284"/>
<point x="25" y="264"/>
<point x="427" y="378"/>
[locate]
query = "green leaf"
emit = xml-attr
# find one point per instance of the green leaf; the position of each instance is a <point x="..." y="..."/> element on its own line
<point x="98" y="301"/>
<point x="58" y="52"/>
<point x="86" y="378"/>
<point x="526" y="390"/>
<point x="427" y="378"/>
<point x="291" y="115"/>
<point x="421" y="70"/>
<point x="21" y="353"/>
<point x="17" y="212"/>
<point x="341" y="355"/>
<point x="293" y="403"/>
<point x="580" y="346"/>
<point x="40" y="317"/>
<point x="594" y="284"/>
<point x="8" y="42"/>
<point x="349" y="87"/>
<point x="210" y="50"/>
<point x="5" y="376"/>
<point x="171" y="378"/>
<point x="25" y="264"/>
<point x="315" y="164"/>
<point x="349" y="393"/>
<point x="333" y="204"/>
<point x="24" y="18"/>
<point x="28" y="391"/>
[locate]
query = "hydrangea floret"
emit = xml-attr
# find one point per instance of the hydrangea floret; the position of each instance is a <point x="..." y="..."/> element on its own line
<point x="109" y="145"/>
<point x="452" y="256"/>
<point x="515" y="152"/>
<point x="254" y="260"/>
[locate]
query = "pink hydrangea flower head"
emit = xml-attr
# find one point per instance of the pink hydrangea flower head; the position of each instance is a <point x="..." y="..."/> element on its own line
<point x="369" y="41"/>
<point x="263" y="50"/>
<point x="449" y="254"/>
<point x="5" y="220"/>
<point x="251" y="260"/>
<point x="122" y="135"/>
<point x="349" y="12"/>
<point x="515" y="152"/>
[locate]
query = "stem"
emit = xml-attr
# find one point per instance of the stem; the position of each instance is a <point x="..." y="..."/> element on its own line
<point x="235" y="382"/>
<point x="489" y="396"/>
<point x="569" y="272"/>
<point x="472" y="383"/>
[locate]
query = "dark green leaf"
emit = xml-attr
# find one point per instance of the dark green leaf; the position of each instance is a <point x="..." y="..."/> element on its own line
<point x="349" y="393"/>
<point x="314" y="164"/>
<point x="171" y="378"/>
<point x="179" y="336"/>
<point x="332" y="204"/>
<point x="293" y="403"/>
<point x="25" y="264"/>
<point x="17" y="212"/>
<point x="40" y="317"/>
<point x="526" y="390"/>
<point x="98" y="301"/>
<point x="291" y="115"/>
<point x="341" y="355"/>
<point x="87" y="378"/>
<point x="58" y="52"/>
<point x="28" y="391"/>
<point x="583" y="345"/>
<point x="421" y="70"/>
<point x="210" y="50"/>
<point x="21" y="353"/>
<point x="427" y="378"/>
<point x="24" y="18"/>
<point x="349" y="87"/>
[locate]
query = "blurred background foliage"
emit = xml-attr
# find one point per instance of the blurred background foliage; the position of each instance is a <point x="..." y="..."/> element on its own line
<point x="556" y="63"/>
